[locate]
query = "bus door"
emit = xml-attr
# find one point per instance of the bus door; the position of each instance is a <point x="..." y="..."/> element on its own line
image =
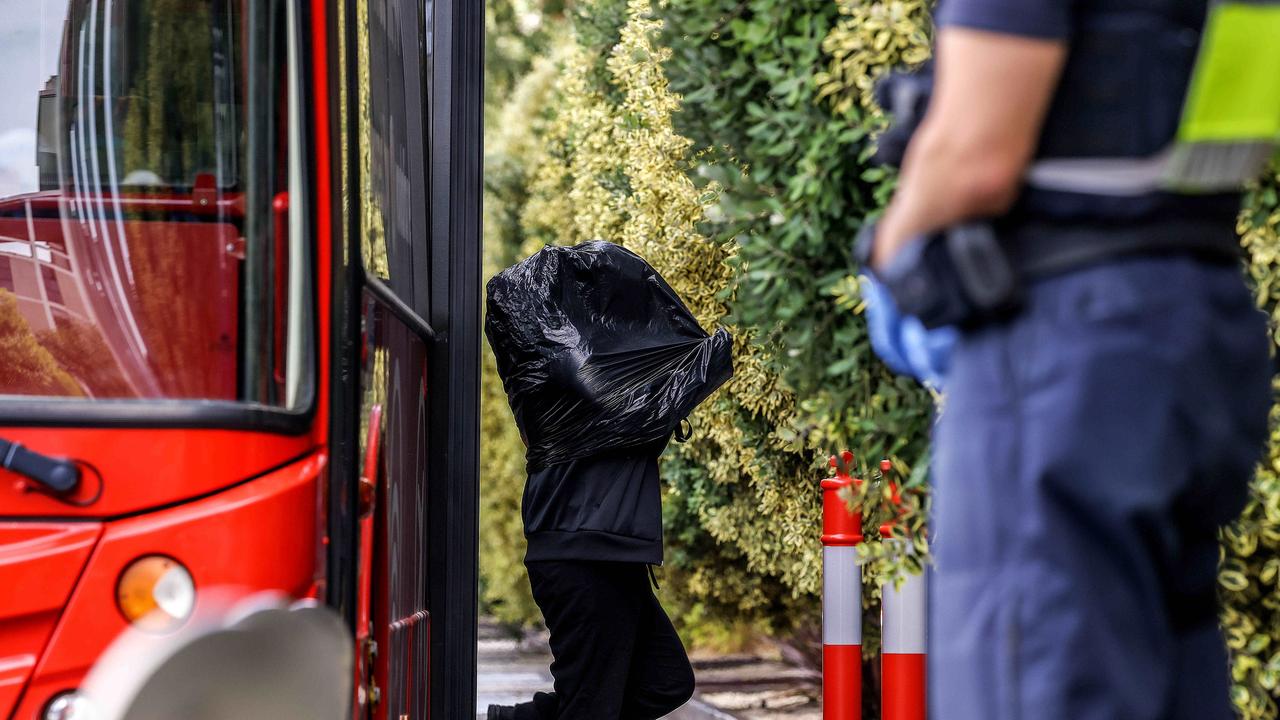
<point x="413" y="188"/>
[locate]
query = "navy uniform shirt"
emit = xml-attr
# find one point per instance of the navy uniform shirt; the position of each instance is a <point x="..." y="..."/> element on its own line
<point x="1110" y="91"/>
<point x="1033" y="18"/>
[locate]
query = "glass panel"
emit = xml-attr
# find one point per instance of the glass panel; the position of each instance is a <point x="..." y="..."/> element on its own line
<point x="371" y="66"/>
<point x="394" y="379"/>
<point x="140" y="257"/>
<point x="393" y="181"/>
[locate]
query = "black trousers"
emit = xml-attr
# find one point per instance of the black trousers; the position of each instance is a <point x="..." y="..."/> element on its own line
<point x="616" y="654"/>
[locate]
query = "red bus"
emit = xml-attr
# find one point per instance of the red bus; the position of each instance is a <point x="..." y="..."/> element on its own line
<point x="239" y="330"/>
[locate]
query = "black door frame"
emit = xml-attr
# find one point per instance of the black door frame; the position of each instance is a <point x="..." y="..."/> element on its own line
<point x="454" y="32"/>
<point x="450" y="155"/>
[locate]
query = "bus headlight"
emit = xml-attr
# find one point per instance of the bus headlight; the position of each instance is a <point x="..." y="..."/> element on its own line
<point x="156" y="593"/>
<point x="69" y="706"/>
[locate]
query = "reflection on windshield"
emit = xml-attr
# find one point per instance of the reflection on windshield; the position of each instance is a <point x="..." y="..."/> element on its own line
<point x="122" y="214"/>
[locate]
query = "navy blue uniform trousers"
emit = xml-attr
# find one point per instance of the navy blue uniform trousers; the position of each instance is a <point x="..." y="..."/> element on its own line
<point x="1086" y="453"/>
<point x="616" y="654"/>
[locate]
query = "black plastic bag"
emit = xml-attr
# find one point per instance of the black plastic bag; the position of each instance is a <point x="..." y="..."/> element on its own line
<point x="597" y="353"/>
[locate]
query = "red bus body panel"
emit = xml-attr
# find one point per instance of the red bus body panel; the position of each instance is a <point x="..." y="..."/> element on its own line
<point x="145" y="469"/>
<point x="238" y="508"/>
<point x="39" y="565"/>
<point x="256" y="536"/>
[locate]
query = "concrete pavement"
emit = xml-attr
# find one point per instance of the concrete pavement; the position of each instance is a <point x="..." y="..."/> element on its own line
<point x="511" y="670"/>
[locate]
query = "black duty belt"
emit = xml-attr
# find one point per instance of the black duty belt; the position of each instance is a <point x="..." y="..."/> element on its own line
<point x="1039" y="249"/>
<point x="972" y="273"/>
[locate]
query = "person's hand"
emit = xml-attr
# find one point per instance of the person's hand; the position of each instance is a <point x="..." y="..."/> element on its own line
<point x="875" y="248"/>
<point x="902" y="342"/>
<point x="888" y="242"/>
<point x="883" y="251"/>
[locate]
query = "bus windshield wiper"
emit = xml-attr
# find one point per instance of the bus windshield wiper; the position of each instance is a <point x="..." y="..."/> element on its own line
<point x="55" y="474"/>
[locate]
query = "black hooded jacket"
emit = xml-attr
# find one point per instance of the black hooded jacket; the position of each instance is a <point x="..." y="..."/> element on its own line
<point x="606" y="507"/>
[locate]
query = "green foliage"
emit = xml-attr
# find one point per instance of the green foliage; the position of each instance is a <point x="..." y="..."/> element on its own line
<point x="519" y="80"/>
<point x="516" y="33"/>
<point x="745" y="196"/>
<point x="169" y="111"/>
<point x="1250" y="574"/>
<point x="795" y="188"/>
<point x="870" y="38"/>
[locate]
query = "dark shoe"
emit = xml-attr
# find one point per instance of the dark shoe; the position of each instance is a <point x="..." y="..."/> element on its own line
<point x="501" y="712"/>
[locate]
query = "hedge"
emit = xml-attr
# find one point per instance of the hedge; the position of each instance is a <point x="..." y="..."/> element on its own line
<point x="1250" y="574"/>
<point x="727" y="141"/>
<point x="608" y="162"/>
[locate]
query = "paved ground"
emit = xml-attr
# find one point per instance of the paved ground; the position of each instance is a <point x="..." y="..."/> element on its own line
<point x="751" y="687"/>
<point x="509" y="671"/>
<point x="729" y="688"/>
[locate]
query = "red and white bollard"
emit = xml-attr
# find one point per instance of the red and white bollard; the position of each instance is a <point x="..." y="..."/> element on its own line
<point x="904" y="636"/>
<point x="903" y="639"/>
<point x="841" y="598"/>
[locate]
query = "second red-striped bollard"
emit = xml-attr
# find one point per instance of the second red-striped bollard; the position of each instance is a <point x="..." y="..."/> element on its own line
<point x="904" y="636"/>
<point x="903" y="631"/>
<point x="903" y="651"/>
<point x="841" y="598"/>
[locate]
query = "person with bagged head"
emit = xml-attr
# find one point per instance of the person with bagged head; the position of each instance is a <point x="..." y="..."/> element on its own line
<point x="1060" y="257"/>
<point x="602" y="364"/>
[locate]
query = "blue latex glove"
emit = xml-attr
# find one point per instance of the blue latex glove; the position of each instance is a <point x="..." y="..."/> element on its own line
<point x="903" y="342"/>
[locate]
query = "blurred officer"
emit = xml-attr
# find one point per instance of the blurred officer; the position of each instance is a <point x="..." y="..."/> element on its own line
<point x="1107" y="395"/>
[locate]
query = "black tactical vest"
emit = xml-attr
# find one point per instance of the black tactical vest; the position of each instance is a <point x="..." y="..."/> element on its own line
<point x="1121" y="95"/>
<point x="1125" y="79"/>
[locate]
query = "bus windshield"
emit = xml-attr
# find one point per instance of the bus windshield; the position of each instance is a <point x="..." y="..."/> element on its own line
<point x="149" y="246"/>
